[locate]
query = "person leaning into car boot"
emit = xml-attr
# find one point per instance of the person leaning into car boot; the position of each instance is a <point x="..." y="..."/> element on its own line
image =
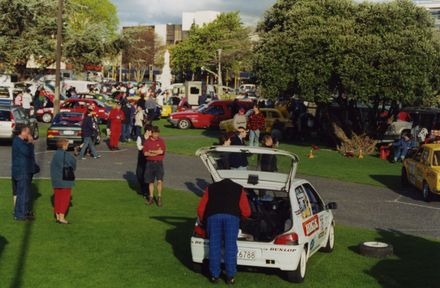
<point x="219" y="210"/>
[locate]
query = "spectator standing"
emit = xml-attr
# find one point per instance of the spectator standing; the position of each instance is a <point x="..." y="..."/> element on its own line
<point x="150" y="106"/>
<point x="116" y="117"/>
<point x="255" y="124"/>
<point x="27" y="100"/>
<point x="142" y="162"/>
<point x="154" y="150"/>
<point x="238" y="161"/>
<point x="23" y="168"/>
<point x="141" y="102"/>
<point x="268" y="162"/>
<point x="220" y="209"/>
<point x="139" y="121"/>
<point x="62" y="188"/>
<point x="240" y="119"/>
<point x="89" y="130"/>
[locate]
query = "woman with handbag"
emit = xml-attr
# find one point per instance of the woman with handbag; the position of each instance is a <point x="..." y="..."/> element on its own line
<point x="62" y="170"/>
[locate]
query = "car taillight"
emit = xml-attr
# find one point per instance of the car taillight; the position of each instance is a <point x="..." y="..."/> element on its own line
<point x="199" y="232"/>
<point x="287" y="239"/>
<point x="52" y="133"/>
<point x="12" y="120"/>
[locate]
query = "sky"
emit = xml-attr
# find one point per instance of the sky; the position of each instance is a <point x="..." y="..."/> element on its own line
<point x="134" y="12"/>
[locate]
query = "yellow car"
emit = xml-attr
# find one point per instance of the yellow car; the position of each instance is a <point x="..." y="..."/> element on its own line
<point x="422" y="169"/>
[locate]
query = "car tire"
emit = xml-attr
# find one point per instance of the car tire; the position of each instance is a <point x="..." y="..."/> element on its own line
<point x="46" y="118"/>
<point x="36" y="133"/>
<point x="404" y="177"/>
<point x="426" y="192"/>
<point x="299" y="274"/>
<point x="200" y="268"/>
<point x="330" y="245"/>
<point x="376" y="249"/>
<point x="184" y="124"/>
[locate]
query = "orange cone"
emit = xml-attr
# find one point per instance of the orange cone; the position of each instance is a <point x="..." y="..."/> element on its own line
<point x="310" y="155"/>
<point x="361" y="154"/>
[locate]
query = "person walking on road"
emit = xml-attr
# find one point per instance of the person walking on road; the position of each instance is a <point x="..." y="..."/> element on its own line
<point x="255" y="124"/>
<point x="154" y="150"/>
<point x="62" y="188"/>
<point x="89" y="129"/>
<point x="125" y="136"/>
<point x="220" y="209"/>
<point x="23" y="168"/>
<point x="116" y="117"/>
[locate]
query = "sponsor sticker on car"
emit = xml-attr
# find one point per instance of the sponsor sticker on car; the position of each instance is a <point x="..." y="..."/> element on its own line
<point x="311" y="225"/>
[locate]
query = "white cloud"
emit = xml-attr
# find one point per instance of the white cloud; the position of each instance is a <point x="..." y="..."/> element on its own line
<point x="132" y="12"/>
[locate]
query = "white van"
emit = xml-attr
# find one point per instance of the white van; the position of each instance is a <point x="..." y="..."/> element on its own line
<point x="289" y="221"/>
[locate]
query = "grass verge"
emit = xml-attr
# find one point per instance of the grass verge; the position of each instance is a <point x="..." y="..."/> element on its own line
<point x="116" y="241"/>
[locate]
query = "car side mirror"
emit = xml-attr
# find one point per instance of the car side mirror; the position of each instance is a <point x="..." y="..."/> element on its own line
<point x="331" y="206"/>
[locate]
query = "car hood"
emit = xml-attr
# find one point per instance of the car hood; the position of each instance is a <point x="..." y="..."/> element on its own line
<point x="277" y="180"/>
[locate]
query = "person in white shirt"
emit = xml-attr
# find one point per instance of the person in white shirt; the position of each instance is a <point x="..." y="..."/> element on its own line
<point x="27" y="100"/>
<point x="139" y="121"/>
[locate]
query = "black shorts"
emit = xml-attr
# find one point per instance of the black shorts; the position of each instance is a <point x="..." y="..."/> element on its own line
<point x="154" y="171"/>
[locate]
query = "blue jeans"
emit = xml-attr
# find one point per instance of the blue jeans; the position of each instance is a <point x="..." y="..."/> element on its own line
<point x="254" y="138"/>
<point x="125" y="132"/>
<point x="23" y="195"/>
<point x="138" y="131"/>
<point x="223" y="228"/>
<point x="88" y="143"/>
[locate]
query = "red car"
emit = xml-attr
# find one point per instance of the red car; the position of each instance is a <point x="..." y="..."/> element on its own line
<point x="207" y="115"/>
<point x="76" y="105"/>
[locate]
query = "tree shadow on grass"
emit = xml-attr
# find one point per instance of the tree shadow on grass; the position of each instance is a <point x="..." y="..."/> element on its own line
<point x="415" y="263"/>
<point x="178" y="236"/>
<point x="25" y="241"/>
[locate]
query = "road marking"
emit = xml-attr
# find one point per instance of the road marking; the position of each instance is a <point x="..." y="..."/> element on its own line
<point x="413" y="204"/>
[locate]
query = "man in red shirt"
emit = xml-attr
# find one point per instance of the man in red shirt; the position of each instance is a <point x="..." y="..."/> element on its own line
<point x="116" y="117"/>
<point x="255" y="124"/>
<point x="154" y="150"/>
<point x="220" y="209"/>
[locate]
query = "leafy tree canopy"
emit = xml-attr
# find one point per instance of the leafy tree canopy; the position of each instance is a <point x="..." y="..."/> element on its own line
<point x="320" y="48"/>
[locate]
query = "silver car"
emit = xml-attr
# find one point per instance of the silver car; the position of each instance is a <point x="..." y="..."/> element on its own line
<point x="12" y="118"/>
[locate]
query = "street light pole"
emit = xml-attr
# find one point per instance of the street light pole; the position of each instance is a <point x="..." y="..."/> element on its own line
<point x="56" y="104"/>
<point x="219" y="73"/>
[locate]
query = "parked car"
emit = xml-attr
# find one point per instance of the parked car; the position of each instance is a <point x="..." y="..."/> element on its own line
<point x="67" y="125"/>
<point x="206" y="116"/>
<point x="76" y="105"/>
<point x="422" y="170"/>
<point x="289" y="220"/>
<point x="12" y="118"/>
<point x="270" y="114"/>
<point x="428" y="118"/>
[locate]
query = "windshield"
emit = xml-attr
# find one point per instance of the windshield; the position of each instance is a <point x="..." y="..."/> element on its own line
<point x="202" y="108"/>
<point x="68" y="119"/>
<point x="436" y="158"/>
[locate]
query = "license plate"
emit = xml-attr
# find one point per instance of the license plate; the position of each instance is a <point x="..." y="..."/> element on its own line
<point x="68" y="133"/>
<point x="248" y="254"/>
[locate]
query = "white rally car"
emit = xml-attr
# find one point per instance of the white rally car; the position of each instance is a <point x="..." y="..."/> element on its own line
<point x="289" y="221"/>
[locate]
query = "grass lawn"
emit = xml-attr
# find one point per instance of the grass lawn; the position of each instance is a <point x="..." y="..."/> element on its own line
<point x="116" y="241"/>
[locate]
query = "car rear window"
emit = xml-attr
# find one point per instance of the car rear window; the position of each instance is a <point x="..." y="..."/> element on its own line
<point x="5" y="115"/>
<point x="68" y="119"/>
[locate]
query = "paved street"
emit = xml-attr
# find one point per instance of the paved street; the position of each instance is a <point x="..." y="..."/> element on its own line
<point x="359" y="205"/>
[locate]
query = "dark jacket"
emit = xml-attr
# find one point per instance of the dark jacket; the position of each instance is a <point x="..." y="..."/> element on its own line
<point x="237" y="159"/>
<point x="23" y="158"/>
<point x="88" y="129"/>
<point x="56" y="168"/>
<point x="127" y="113"/>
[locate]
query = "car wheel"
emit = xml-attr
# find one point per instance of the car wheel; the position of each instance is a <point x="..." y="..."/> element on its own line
<point x="404" y="177"/>
<point x="376" y="249"/>
<point x="201" y="268"/>
<point x="299" y="274"/>
<point x="330" y="240"/>
<point x="426" y="192"/>
<point x="36" y="133"/>
<point x="184" y="124"/>
<point x="47" y="117"/>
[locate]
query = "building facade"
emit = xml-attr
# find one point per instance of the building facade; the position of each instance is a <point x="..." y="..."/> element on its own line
<point x="433" y="7"/>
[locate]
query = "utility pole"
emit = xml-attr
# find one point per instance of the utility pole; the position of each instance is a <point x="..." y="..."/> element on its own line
<point x="56" y="106"/>
<point x="219" y="73"/>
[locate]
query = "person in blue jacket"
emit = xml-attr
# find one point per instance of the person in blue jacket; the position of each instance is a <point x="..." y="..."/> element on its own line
<point x="402" y="146"/>
<point x="23" y="168"/>
<point x="89" y="130"/>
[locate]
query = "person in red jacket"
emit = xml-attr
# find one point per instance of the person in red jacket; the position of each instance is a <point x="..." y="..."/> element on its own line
<point x="116" y="117"/>
<point x="220" y="208"/>
<point x="255" y="124"/>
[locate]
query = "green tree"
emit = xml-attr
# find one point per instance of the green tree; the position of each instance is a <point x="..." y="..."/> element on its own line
<point x="319" y="49"/>
<point x="201" y="46"/>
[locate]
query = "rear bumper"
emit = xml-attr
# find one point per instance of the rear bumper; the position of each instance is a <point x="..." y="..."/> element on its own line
<point x="73" y="141"/>
<point x="282" y="257"/>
